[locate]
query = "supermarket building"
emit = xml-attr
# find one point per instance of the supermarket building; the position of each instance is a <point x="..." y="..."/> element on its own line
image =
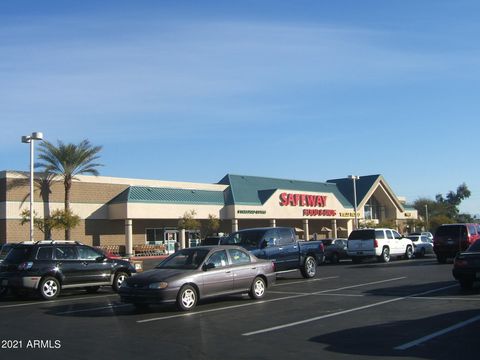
<point x="130" y="212"/>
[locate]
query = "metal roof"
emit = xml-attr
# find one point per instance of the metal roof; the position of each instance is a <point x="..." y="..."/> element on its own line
<point x="255" y="190"/>
<point x="143" y="194"/>
<point x="363" y="186"/>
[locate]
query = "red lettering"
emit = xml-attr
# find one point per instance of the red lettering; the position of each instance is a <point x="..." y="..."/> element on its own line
<point x="291" y="200"/>
<point x="319" y="212"/>
<point x="288" y="199"/>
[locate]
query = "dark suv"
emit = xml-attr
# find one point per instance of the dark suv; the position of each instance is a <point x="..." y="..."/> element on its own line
<point x="49" y="266"/>
<point x="450" y="239"/>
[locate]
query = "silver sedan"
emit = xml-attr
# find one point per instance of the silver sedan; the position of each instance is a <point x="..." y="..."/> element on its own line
<point x="199" y="272"/>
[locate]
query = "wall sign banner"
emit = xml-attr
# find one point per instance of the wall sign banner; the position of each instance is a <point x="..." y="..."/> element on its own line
<point x="288" y="199"/>
<point x="319" y="212"/>
<point x="252" y="212"/>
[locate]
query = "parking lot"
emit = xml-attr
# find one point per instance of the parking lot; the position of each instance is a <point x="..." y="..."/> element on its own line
<point x="409" y="309"/>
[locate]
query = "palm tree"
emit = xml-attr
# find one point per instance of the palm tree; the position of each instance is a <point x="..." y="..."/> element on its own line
<point x="66" y="161"/>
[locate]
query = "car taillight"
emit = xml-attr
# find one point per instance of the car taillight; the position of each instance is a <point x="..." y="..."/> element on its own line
<point x="25" y="265"/>
<point x="375" y="243"/>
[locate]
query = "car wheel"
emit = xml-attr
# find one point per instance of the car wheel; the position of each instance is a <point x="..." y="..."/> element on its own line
<point x="186" y="298"/>
<point x="385" y="257"/>
<point x="49" y="288"/>
<point x="257" y="290"/>
<point x="466" y="284"/>
<point x="334" y="259"/>
<point x="92" y="289"/>
<point x="119" y="278"/>
<point x="309" y="268"/>
<point x="409" y="253"/>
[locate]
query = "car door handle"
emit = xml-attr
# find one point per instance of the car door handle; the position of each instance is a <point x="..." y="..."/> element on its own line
<point x="85" y="263"/>
<point x="228" y="272"/>
<point x="280" y="248"/>
<point x="254" y="268"/>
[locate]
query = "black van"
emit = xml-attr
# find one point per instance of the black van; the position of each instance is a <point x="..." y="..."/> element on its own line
<point x="450" y="239"/>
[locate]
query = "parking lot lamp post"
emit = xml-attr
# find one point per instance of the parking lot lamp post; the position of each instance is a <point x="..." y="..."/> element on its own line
<point x="426" y="218"/>
<point x="354" y="180"/>
<point x="30" y="139"/>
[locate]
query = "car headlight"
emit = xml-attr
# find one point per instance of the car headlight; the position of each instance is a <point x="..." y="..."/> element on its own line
<point x="158" y="285"/>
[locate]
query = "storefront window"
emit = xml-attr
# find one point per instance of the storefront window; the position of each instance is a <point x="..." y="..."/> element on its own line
<point x="373" y="209"/>
<point x="154" y="236"/>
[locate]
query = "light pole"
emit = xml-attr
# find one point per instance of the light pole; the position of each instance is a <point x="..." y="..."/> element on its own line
<point x="426" y="218"/>
<point x="354" y="180"/>
<point x="30" y="139"/>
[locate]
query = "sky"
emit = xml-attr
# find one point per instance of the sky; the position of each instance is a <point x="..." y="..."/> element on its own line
<point x="306" y="89"/>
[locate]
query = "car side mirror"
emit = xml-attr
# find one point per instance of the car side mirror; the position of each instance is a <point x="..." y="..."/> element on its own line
<point x="208" y="266"/>
<point x="100" y="258"/>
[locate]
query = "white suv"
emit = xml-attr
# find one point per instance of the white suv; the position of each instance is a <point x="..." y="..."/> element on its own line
<point x="380" y="243"/>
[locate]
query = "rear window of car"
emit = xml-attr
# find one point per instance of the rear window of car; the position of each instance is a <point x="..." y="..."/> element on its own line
<point x="451" y="230"/>
<point x="362" y="235"/>
<point x="19" y="254"/>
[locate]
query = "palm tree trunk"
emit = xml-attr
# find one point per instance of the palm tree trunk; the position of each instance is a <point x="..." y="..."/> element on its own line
<point x="68" y="187"/>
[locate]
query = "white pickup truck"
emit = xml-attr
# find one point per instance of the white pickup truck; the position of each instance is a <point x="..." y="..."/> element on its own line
<point x="379" y="243"/>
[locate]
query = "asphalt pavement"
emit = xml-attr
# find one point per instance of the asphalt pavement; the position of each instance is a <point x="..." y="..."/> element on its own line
<point x="406" y="309"/>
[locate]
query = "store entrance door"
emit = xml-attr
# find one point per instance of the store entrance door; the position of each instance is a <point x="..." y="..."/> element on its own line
<point x="170" y="238"/>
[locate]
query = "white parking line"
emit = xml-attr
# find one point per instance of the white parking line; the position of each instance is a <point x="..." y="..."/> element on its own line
<point x="436" y="334"/>
<point x="440" y="298"/>
<point x="108" y="307"/>
<point x="39" y="303"/>
<point x="305" y="281"/>
<point x="220" y="309"/>
<point x="301" y="322"/>
<point x="263" y="301"/>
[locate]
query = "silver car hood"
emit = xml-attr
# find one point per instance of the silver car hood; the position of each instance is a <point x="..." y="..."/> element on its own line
<point x="157" y="275"/>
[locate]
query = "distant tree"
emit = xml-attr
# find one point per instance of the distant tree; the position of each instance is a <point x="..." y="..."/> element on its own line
<point x="188" y="221"/>
<point x="66" y="161"/>
<point x="212" y="226"/>
<point x="41" y="224"/>
<point x="443" y="210"/>
<point x="453" y="199"/>
<point x="58" y="219"/>
<point x="437" y="220"/>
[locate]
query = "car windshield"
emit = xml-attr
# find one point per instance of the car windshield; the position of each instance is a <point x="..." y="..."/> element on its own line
<point x="186" y="259"/>
<point x="4" y="251"/>
<point x="18" y="254"/>
<point x="246" y="238"/>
